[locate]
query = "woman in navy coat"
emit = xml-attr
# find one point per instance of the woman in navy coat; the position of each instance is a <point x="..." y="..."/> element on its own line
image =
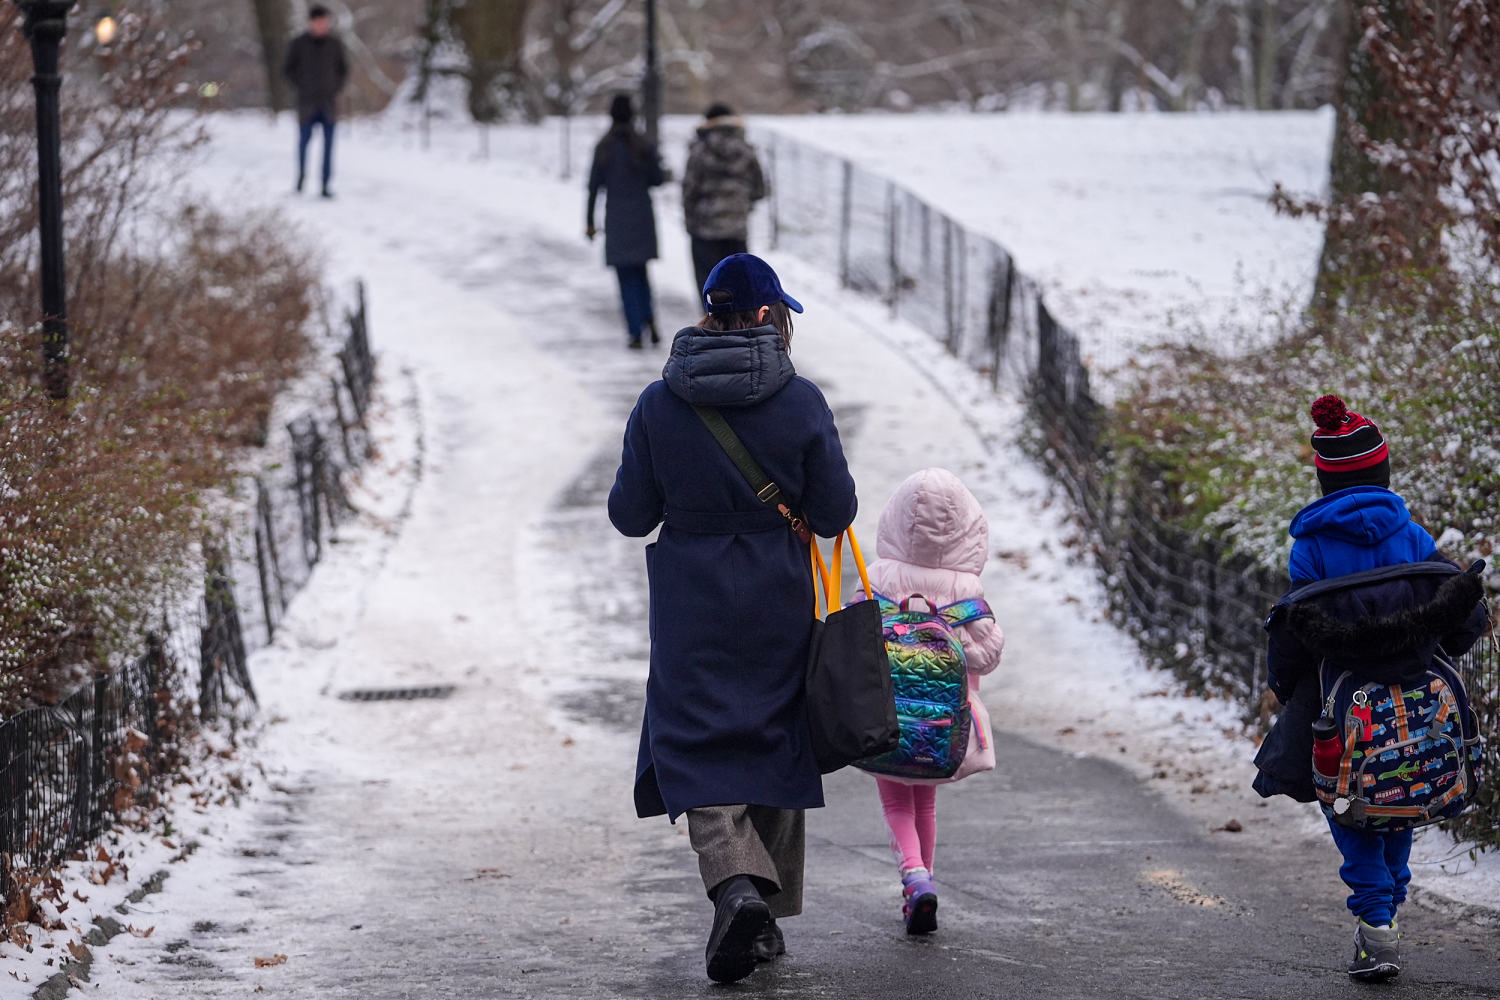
<point x="725" y="736"/>
<point x="626" y="167"/>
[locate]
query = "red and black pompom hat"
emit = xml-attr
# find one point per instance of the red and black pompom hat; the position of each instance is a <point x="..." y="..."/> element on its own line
<point x="1348" y="449"/>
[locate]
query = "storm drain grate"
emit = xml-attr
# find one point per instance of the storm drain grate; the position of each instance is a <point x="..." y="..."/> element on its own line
<point x="397" y="694"/>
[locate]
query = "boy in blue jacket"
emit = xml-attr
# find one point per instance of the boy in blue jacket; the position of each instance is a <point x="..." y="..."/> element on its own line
<point x="1389" y="628"/>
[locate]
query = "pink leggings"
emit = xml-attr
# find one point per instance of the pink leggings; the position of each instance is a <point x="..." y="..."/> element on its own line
<point x="911" y="813"/>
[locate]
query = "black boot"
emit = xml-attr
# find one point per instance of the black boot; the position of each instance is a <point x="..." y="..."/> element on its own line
<point x="770" y="944"/>
<point x="655" y="337"/>
<point x="740" y="916"/>
<point x="301" y="179"/>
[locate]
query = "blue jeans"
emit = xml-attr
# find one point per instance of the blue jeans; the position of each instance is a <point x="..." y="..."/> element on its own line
<point x="635" y="296"/>
<point x="304" y="138"/>
<point x="1375" y="869"/>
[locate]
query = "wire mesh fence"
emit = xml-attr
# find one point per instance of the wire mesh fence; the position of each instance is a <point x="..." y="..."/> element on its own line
<point x="1193" y="604"/>
<point x="67" y="770"/>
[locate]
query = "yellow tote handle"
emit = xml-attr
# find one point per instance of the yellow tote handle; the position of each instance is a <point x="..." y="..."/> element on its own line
<point x="831" y="576"/>
<point x="859" y="562"/>
<point x="836" y="575"/>
<point x="820" y="573"/>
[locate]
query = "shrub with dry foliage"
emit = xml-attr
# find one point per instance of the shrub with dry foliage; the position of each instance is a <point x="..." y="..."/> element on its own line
<point x="184" y="326"/>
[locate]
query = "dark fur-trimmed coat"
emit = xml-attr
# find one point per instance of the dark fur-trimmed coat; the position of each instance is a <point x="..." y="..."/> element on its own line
<point x="1383" y="625"/>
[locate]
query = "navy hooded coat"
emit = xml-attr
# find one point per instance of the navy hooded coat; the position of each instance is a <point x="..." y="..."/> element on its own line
<point x="731" y="587"/>
<point x="626" y="167"/>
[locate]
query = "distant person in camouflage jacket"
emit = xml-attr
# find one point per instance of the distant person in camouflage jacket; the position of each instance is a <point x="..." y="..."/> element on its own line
<point x="722" y="182"/>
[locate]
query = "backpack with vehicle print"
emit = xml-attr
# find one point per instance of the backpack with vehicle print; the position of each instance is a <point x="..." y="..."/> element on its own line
<point x="1390" y="757"/>
<point x="930" y="679"/>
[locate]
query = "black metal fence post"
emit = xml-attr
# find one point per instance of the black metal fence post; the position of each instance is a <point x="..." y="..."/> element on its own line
<point x="775" y="193"/>
<point x="893" y="248"/>
<point x="846" y="220"/>
<point x="949" y="307"/>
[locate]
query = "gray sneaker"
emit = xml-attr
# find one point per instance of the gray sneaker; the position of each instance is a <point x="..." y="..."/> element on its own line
<point x="1377" y="956"/>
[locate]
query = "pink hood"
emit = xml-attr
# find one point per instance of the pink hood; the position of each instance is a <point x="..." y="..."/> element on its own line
<point x="933" y="521"/>
<point x="933" y="540"/>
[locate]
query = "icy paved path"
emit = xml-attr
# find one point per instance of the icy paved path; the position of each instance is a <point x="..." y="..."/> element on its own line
<point x="484" y="846"/>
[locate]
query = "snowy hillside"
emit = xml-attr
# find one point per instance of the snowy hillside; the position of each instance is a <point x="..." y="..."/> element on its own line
<point x="1141" y="229"/>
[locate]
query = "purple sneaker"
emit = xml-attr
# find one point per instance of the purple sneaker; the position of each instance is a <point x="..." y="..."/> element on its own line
<point x="920" y="908"/>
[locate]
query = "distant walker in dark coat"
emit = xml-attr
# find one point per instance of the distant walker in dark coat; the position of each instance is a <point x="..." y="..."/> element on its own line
<point x="720" y="185"/>
<point x="626" y="167"/>
<point x="725" y="737"/>
<point x="317" y="69"/>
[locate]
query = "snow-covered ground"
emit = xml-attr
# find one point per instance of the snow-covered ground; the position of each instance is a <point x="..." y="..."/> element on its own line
<point x="505" y="389"/>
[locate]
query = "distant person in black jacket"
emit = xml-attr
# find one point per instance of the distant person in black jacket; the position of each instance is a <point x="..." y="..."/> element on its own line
<point x="316" y="67"/>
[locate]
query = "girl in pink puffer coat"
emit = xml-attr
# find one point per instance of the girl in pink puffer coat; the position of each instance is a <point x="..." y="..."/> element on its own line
<point x="933" y="540"/>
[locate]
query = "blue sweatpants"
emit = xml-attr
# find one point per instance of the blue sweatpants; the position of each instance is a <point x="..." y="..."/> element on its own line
<point x="635" y="297"/>
<point x="1375" y="869"/>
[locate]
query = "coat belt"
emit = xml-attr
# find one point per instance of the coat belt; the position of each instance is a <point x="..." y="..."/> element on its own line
<point x="727" y="522"/>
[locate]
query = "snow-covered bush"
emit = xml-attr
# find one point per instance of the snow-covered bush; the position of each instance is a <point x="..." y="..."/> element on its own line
<point x="183" y="326"/>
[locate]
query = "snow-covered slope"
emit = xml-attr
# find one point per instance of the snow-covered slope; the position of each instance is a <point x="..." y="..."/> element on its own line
<point x="1141" y="229"/>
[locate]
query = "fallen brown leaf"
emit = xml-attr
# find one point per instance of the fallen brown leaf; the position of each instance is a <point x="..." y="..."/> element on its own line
<point x="277" y="959"/>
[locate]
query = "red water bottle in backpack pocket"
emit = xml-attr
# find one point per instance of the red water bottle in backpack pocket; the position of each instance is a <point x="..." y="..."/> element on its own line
<point x="1328" y="748"/>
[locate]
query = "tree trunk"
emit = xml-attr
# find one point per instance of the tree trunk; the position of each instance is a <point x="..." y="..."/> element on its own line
<point x="1265" y="63"/>
<point x="1364" y="97"/>
<point x="1073" y="49"/>
<point x="493" y="33"/>
<point x="274" y="24"/>
<point x="1244" y="53"/>
<point x="1117" y="71"/>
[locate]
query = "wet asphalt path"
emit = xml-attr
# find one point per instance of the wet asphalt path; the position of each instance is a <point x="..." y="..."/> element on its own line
<point x="1060" y="876"/>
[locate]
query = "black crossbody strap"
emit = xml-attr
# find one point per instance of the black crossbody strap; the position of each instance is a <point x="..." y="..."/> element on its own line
<point x="766" y="491"/>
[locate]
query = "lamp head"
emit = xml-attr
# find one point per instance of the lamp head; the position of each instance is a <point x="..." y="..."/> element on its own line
<point x="105" y="29"/>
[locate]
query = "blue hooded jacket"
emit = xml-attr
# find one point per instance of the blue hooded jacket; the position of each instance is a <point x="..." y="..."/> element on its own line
<point x="1360" y="528"/>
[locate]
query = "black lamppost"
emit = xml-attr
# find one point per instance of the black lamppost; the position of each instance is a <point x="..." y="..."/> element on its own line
<point x="45" y="24"/>
<point x="651" y="83"/>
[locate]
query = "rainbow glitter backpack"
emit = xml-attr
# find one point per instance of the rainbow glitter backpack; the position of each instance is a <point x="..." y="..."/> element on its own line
<point x="930" y="678"/>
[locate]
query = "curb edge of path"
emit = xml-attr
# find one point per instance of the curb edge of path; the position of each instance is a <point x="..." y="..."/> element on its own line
<point x="74" y="971"/>
<point x="1477" y="913"/>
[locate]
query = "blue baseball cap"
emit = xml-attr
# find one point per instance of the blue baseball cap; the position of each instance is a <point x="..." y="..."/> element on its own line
<point x="742" y="282"/>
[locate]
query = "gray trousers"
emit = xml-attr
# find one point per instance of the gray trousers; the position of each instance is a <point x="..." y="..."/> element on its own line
<point x="760" y="841"/>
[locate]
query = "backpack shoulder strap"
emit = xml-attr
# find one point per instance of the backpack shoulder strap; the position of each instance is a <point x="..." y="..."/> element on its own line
<point x="963" y="612"/>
